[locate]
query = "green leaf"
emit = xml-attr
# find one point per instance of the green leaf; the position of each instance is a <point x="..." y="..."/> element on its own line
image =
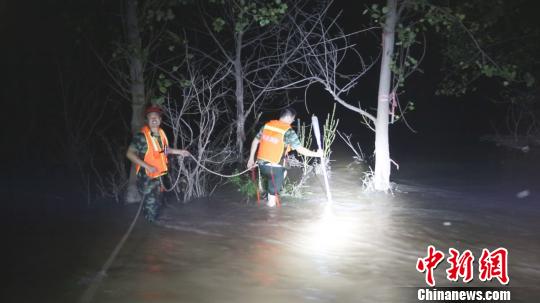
<point x="185" y="83"/>
<point x="218" y="24"/>
<point x="158" y="100"/>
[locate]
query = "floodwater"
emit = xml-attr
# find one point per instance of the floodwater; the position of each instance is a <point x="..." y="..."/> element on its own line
<point x="360" y="248"/>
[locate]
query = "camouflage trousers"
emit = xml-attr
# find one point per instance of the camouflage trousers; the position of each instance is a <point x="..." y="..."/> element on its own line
<point x="150" y="190"/>
<point x="275" y="176"/>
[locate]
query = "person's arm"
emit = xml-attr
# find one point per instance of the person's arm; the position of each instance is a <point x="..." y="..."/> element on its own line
<point x="254" y="145"/>
<point x="291" y="138"/>
<point x="308" y="153"/>
<point x="180" y="152"/>
<point x="131" y="154"/>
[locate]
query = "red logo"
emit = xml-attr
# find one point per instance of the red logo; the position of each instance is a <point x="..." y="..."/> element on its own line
<point x="460" y="266"/>
<point x="490" y="265"/>
<point x="494" y="265"/>
<point x="429" y="263"/>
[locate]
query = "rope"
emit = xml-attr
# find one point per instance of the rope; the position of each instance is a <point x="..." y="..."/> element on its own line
<point x="89" y="293"/>
<point x="173" y="186"/>
<point x="207" y="169"/>
<point x="218" y="174"/>
<point x="254" y="179"/>
<point x="203" y="167"/>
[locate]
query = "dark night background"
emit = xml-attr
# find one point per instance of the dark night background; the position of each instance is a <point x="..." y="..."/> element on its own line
<point x="53" y="40"/>
<point x="49" y="56"/>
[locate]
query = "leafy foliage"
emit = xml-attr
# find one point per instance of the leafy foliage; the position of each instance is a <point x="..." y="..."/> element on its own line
<point x="245" y="12"/>
<point x="329" y="132"/>
<point x="245" y="185"/>
<point x="482" y="41"/>
<point x="499" y="40"/>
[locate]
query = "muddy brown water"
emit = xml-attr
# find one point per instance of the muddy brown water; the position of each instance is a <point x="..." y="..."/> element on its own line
<point x="363" y="248"/>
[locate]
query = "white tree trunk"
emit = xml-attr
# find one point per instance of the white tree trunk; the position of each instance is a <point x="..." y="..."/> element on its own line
<point x="382" y="148"/>
<point x="136" y="69"/>
<point x="239" y="94"/>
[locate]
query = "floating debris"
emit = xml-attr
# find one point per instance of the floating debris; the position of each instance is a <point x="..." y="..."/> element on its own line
<point x="523" y="194"/>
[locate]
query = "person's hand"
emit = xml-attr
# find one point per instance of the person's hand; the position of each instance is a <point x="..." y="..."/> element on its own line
<point x="319" y="153"/>
<point x="150" y="169"/>
<point x="184" y="153"/>
<point x="251" y="163"/>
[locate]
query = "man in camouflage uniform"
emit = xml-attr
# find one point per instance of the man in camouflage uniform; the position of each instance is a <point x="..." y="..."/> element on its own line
<point x="148" y="150"/>
<point x="272" y="143"/>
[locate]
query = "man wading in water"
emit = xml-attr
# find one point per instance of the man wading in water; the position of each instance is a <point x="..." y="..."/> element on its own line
<point x="149" y="149"/>
<point x="275" y="139"/>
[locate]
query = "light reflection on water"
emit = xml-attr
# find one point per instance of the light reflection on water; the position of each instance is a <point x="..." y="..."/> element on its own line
<point x="361" y="249"/>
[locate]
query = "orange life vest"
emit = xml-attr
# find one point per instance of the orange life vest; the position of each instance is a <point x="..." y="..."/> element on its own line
<point x="155" y="154"/>
<point x="272" y="144"/>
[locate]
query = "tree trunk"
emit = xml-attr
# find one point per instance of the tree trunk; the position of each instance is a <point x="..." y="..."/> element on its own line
<point x="239" y="94"/>
<point x="382" y="148"/>
<point x="136" y="69"/>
